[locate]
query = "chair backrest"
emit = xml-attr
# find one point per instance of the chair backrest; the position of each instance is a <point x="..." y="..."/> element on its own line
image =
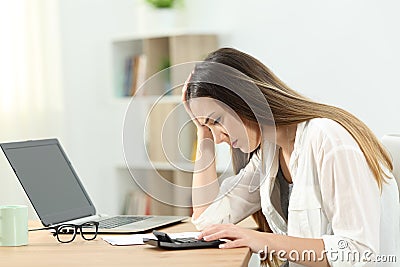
<point x="392" y="144"/>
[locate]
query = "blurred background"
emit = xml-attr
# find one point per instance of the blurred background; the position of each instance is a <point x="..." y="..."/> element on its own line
<point x="62" y="61"/>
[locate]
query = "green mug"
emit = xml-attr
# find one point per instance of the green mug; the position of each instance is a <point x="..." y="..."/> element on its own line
<point x="13" y="225"/>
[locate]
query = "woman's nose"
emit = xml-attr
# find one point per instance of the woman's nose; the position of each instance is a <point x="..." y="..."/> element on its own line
<point x="221" y="137"/>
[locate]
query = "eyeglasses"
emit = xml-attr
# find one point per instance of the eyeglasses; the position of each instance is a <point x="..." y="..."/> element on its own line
<point x="66" y="233"/>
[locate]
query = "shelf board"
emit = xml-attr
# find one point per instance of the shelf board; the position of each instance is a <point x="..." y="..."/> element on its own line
<point x="150" y="98"/>
<point x="159" y="166"/>
<point x="164" y="166"/>
<point x="160" y="99"/>
<point x="150" y="35"/>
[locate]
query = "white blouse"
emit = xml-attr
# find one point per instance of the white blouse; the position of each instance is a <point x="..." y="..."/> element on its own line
<point x="334" y="197"/>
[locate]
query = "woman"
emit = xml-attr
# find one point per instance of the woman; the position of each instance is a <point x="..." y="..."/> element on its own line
<point x="315" y="178"/>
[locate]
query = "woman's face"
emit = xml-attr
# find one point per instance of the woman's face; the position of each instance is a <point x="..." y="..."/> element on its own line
<point x="225" y="124"/>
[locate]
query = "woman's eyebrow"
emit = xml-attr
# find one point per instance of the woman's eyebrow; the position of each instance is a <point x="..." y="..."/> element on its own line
<point x="208" y="117"/>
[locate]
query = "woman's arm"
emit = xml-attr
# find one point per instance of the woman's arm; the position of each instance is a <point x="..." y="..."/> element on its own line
<point x="205" y="184"/>
<point x="305" y="251"/>
<point x="236" y="198"/>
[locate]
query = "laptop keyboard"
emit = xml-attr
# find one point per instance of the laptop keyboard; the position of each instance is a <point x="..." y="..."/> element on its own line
<point x="117" y="221"/>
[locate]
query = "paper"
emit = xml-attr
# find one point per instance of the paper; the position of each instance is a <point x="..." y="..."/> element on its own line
<point x="137" y="239"/>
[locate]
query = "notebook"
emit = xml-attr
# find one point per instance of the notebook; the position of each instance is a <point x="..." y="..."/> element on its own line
<point x="57" y="194"/>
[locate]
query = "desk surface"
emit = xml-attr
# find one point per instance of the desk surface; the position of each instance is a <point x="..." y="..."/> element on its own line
<point x="44" y="250"/>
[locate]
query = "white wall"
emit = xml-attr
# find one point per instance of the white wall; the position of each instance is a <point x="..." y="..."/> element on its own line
<point x="94" y="126"/>
<point x="339" y="52"/>
<point x="342" y="52"/>
<point x="30" y="87"/>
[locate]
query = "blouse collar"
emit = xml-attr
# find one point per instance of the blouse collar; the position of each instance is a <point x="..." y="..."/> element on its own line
<point x="301" y="127"/>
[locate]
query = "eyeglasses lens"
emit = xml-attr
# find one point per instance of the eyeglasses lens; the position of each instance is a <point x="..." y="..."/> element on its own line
<point x="66" y="233"/>
<point x="89" y="230"/>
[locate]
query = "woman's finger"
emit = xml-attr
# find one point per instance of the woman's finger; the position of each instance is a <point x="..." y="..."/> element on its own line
<point x="226" y="233"/>
<point x="186" y="103"/>
<point x="203" y="129"/>
<point x="185" y="85"/>
<point x="213" y="229"/>
<point x="233" y="244"/>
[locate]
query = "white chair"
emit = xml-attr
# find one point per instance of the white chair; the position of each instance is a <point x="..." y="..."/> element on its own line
<point x="392" y="144"/>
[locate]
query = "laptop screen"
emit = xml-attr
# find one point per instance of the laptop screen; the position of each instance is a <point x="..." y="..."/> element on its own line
<point x="49" y="180"/>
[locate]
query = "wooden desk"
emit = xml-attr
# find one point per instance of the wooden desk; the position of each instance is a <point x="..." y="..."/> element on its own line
<point x="44" y="250"/>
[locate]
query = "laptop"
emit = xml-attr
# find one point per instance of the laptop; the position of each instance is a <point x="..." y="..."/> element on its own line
<point x="57" y="194"/>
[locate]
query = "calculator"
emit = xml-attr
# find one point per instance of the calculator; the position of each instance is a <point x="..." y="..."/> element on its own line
<point x="166" y="242"/>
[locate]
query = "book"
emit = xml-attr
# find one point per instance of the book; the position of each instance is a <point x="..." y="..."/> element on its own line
<point x="127" y="77"/>
<point x="138" y="73"/>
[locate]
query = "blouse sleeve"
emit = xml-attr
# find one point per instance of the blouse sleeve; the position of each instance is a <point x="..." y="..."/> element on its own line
<point x="351" y="200"/>
<point x="237" y="197"/>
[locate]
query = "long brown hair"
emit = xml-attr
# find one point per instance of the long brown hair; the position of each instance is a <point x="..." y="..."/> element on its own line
<point x="286" y="107"/>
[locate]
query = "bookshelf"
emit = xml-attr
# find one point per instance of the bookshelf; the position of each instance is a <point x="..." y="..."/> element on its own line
<point x="157" y="52"/>
<point x="156" y="119"/>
